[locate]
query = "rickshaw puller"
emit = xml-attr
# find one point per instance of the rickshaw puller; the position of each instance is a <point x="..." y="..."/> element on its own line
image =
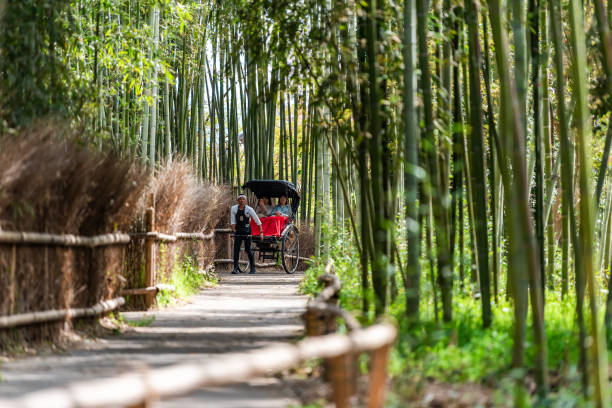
<point x="240" y="218"/>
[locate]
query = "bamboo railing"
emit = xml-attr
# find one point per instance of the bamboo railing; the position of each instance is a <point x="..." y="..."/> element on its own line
<point x="195" y="235"/>
<point x="321" y="317"/>
<point x="68" y="240"/>
<point x="150" y="290"/>
<point x="37" y="238"/>
<point x="339" y="351"/>
<point x="152" y="237"/>
<point x="158" y="236"/>
<point x="47" y="316"/>
<point x="139" y="389"/>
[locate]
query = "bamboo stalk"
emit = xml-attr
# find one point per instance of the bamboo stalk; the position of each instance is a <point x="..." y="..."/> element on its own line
<point x="150" y="253"/>
<point x="587" y="204"/>
<point x="477" y="162"/>
<point x="567" y="186"/>
<point x="524" y="260"/>
<point x="154" y="89"/>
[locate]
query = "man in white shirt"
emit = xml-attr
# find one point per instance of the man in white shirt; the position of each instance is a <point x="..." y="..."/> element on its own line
<point x="240" y="218"/>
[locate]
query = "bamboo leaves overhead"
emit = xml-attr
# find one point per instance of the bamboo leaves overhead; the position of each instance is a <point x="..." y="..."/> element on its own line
<point x="450" y="138"/>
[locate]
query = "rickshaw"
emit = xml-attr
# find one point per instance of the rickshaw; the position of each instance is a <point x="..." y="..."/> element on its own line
<point x="280" y="242"/>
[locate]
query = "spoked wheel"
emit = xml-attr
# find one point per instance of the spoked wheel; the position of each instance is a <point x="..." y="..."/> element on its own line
<point x="243" y="260"/>
<point x="290" y="250"/>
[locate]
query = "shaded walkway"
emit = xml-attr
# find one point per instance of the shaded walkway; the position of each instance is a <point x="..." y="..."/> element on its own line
<point x="243" y="312"/>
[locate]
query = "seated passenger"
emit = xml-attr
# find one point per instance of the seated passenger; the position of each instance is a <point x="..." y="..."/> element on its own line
<point x="282" y="209"/>
<point x="264" y="209"/>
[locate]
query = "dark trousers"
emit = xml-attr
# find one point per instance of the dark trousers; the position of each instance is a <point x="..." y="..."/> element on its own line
<point x="238" y="239"/>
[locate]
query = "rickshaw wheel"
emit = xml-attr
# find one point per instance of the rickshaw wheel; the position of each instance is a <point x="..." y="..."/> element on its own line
<point x="290" y="250"/>
<point x="243" y="260"/>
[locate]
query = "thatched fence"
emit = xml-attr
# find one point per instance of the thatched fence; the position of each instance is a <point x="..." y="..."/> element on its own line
<point x="46" y="242"/>
<point x="72" y="195"/>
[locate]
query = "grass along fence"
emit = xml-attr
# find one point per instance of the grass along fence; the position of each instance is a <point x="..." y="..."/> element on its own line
<point x="143" y="388"/>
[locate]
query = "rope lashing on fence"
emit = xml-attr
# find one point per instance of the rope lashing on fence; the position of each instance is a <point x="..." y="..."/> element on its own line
<point x="162" y="383"/>
<point x="332" y="287"/>
<point x="60" y="314"/>
<point x="322" y="313"/>
<point x="337" y="311"/>
<point x="151" y="237"/>
<point x="39" y="238"/>
<point x="321" y="310"/>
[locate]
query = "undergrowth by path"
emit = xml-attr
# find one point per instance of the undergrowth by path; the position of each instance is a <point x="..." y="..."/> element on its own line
<point x="460" y="357"/>
<point x="187" y="279"/>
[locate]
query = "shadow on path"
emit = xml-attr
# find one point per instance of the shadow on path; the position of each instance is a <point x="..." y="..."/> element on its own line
<point x="243" y="312"/>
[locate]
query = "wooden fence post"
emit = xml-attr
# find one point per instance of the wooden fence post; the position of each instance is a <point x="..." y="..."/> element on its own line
<point x="228" y="243"/>
<point x="341" y="372"/>
<point x="313" y="323"/>
<point x="329" y="321"/>
<point x="143" y="404"/>
<point x="320" y="319"/>
<point x="378" y="377"/>
<point x="150" y="256"/>
<point x="12" y="281"/>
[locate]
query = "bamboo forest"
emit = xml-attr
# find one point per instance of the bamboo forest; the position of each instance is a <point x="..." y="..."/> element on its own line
<point x="451" y="162"/>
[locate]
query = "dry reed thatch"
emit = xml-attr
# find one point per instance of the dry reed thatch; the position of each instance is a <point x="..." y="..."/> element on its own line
<point x="52" y="183"/>
<point x="182" y="204"/>
<point x="49" y="182"/>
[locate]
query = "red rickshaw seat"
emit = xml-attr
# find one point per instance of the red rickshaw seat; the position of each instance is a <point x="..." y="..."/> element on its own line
<point x="272" y="226"/>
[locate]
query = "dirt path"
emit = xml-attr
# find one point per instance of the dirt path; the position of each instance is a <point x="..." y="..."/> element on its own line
<point x="243" y="312"/>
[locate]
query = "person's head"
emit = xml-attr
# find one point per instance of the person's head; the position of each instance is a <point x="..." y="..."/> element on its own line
<point x="261" y="202"/>
<point x="282" y="200"/>
<point x="242" y="200"/>
<point x="266" y="200"/>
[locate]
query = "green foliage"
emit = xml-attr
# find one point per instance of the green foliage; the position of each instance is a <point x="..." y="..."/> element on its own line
<point x="462" y="351"/>
<point x="35" y="79"/>
<point x="340" y="248"/>
<point x="187" y="280"/>
<point x="459" y="352"/>
<point x="312" y="405"/>
<point x="145" y="321"/>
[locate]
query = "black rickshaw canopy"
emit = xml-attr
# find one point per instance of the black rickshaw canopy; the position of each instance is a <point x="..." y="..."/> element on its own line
<point x="275" y="189"/>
